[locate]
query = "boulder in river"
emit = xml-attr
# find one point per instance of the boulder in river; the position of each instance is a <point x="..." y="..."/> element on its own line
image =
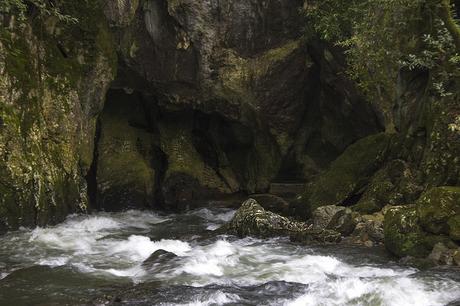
<point x="158" y="257"/>
<point x="272" y="203"/>
<point x="337" y="218"/>
<point x="439" y="210"/>
<point x="253" y="220"/>
<point x="404" y="236"/>
<point x="369" y="229"/>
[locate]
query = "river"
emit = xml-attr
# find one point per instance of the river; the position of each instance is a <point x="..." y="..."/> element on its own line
<point x="97" y="258"/>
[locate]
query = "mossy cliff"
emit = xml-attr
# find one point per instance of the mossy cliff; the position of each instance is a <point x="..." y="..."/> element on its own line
<point x="416" y="84"/>
<point x="238" y="96"/>
<point x="53" y="78"/>
<point x="160" y="103"/>
<point x="217" y="97"/>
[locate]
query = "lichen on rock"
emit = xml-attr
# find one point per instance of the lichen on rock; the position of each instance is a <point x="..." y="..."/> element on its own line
<point x="52" y="83"/>
<point x="347" y="175"/>
<point x="438" y="210"/>
<point x="251" y="219"/>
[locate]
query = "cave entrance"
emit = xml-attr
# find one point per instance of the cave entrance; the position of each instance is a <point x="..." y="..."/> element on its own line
<point x="147" y="156"/>
<point x="128" y="163"/>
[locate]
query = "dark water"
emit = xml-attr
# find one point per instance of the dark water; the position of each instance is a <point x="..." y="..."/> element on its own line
<point x="89" y="257"/>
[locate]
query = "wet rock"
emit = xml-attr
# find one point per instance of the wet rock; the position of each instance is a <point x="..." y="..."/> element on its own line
<point x="316" y="236"/>
<point x="438" y="252"/>
<point x="369" y="231"/>
<point x="443" y="255"/>
<point x="456" y="257"/>
<point x="120" y="13"/>
<point x="403" y="234"/>
<point x="189" y="177"/>
<point x="247" y="62"/>
<point x="419" y="263"/>
<point x="439" y="209"/>
<point x="157" y="258"/>
<point x="253" y="220"/>
<point x="454" y="227"/>
<point x="272" y="203"/>
<point x="337" y="218"/>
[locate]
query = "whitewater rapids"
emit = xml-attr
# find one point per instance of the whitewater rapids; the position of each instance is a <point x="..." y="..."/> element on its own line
<point x="98" y="253"/>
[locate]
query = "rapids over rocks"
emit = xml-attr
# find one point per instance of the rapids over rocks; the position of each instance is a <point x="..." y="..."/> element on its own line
<point x="102" y="259"/>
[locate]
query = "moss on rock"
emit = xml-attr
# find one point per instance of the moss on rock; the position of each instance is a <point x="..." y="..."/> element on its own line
<point x="394" y="184"/>
<point x="403" y="234"/>
<point x="125" y="173"/>
<point x="436" y="207"/>
<point x="251" y="219"/>
<point x="347" y="175"/>
<point x="53" y="78"/>
<point x="454" y="227"/>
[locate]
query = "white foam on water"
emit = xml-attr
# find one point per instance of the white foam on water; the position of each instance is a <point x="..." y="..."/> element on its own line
<point x="217" y="298"/>
<point x="54" y="261"/>
<point x="223" y="215"/>
<point x="115" y="245"/>
<point x="139" y="248"/>
<point x="135" y="272"/>
<point x="379" y="291"/>
<point x="215" y="219"/>
<point x="330" y="281"/>
<point x="91" y="243"/>
<point x="210" y="260"/>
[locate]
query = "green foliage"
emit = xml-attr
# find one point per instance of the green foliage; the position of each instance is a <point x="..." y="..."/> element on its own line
<point x="382" y="36"/>
<point x="42" y="8"/>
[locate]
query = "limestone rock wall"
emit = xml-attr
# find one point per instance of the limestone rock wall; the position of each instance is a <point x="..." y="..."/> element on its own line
<point x="223" y="96"/>
<point x="53" y="79"/>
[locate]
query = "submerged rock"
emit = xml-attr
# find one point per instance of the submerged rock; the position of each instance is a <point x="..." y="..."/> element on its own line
<point x="157" y="258"/>
<point x="253" y="220"/>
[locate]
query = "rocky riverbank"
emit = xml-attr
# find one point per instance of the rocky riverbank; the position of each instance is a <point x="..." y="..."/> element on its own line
<point x="399" y="228"/>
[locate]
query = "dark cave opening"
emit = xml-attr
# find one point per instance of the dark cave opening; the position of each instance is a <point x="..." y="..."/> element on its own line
<point x="128" y="163"/>
<point x="91" y="175"/>
<point x="151" y="157"/>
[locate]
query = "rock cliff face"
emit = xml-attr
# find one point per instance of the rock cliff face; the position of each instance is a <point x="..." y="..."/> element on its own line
<point x="234" y="96"/>
<point x="416" y="167"/>
<point x="53" y="79"/>
<point x="155" y="103"/>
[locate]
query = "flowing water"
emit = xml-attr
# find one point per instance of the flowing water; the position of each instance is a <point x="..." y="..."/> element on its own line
<point x="89" y="257"/>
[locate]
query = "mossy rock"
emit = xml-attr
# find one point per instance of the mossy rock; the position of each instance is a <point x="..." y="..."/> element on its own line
<point x="347" y="175"/>
<point x="251" y="219"/>
<point x="454" y="227"/>
<point x="403" y="234"/>
<point x="436" y="207"/>
<point x="395" y="184"/>
<point x="125" y="173"/>
<point x="48" y="124"/>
